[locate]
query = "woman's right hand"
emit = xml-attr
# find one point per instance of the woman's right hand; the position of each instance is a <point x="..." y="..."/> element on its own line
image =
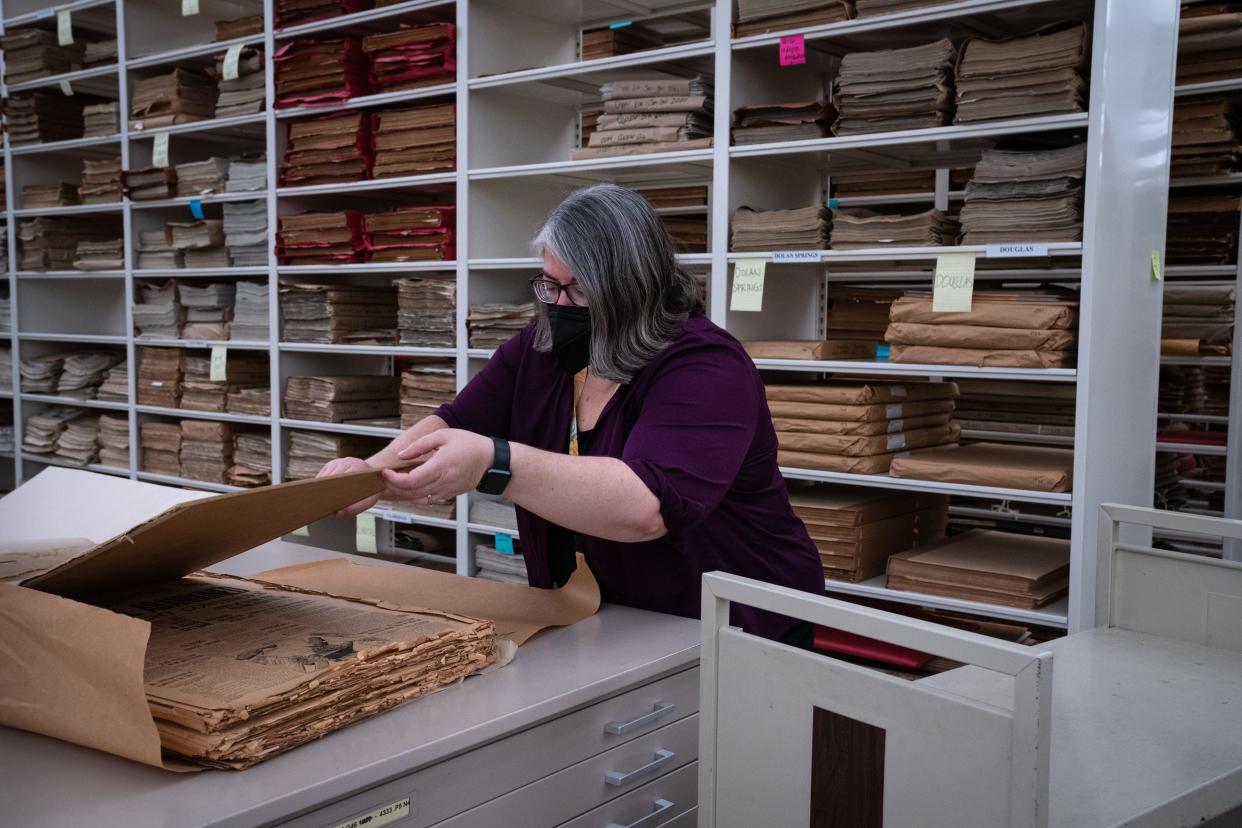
<point x="345" y="465"/>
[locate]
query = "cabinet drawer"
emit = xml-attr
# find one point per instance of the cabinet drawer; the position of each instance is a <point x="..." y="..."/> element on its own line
<point x="590" y="783"/>
<point x="660" y="802"/>
<point x="455" y="785"/>
<point x="690" y="819"/>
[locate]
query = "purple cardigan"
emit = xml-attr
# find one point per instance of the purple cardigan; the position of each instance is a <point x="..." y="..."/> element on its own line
<point x="694" y="426"/>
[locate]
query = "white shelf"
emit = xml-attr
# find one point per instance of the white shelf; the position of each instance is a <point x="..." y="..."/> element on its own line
<point x="1231" y="180"/>
<point x="370" y="185"/>
<point x="1205" y="449"/>
<point x="66" y="146"/>
<point x="480" y="353"/>
<point x="1203" y="485"/>
<point x="372" y="350"/>
<point x="189" y="414"/>
<point x="408" y="518"/>
<point x="185" y="201"/>
<point x="628" y="167"/>
<point x="486" y="529"/>
<point x="369" y="101"/>
<point x="897" y="254"/>
<point x="1017" y="437"/>
<point x="66" y="77"/>
<point x="883" y="481"/>
<point x="576" y="69"/>
<point x="1199" y="360"/>
<point x="1053" y="615"/>
<point x="70" y="275"/>
<point x="52" y="399"/>
<point x="89" y="339"/>
<point x="235" y="126"/>
<point x="197" y="272"/>
<point x="1208" y="87"/>
<point x="869" y="367"/>
<point x="1214" y="419"/>
<point x="152" y="477"/>
<point x="50" y="460"/>
<point x="199" y="50"/>
<point x="68" y="210"/>
<point x="532" y="263"/>
<point x="50" y="12"/>
<point x="333" y="24"/>
<point x="398" y="268"/>
<point x="236" y="345"/>
<point x="1008" y="515"/>
<point x="895" y="198"/>
<point x="1229" y="272"/>
<point x="339" y="428"/>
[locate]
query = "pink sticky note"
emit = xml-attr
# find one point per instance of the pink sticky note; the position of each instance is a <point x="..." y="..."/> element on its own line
<point x="793" y="50"/>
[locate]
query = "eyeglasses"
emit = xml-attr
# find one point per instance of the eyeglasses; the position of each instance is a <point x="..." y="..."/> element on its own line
<point x="548" y="290"/>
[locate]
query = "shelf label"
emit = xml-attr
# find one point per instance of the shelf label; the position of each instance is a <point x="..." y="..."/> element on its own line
<point x="882" y="351"/>
<point x="788" y="256"/>
<point x="954" y="284"/>
<point x="66" y="88"/>
<point x="621" y="25"/>
<point x="219" y="363"/>
<point x="196" y="343"/>
<point x="834" y="203"/>
<point x="43" y="14"/>
<point x="303" y="532"/>
<point x="159" y="150"/>
<point x="231" y="57"/>
<point x="382" y="815"/>
<point x="196" y="209"/>
<point x="64" y="27"/>
<point x="1016" y="251"/>
<point x="793" y="50"/>
<point x="189" y="8"/>
<point x="747" y="285"/>
<point x="504" y="544"/>
<point x="395" y="517"/>
<point x="1156" y="275"/>
<point x="364" y="534"/>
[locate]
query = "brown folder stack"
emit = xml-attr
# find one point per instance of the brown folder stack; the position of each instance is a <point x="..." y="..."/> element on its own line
<point x="295" y="12"/>
<point x="202" y="177"/>
<point x="30" y="54"/>
<point x="154" y="251"/>
<point x="1034" y="468"/>
<point x="200" y="243"/>
<point x="239" y="27"/>
<point x="320" y="72"/>
<point x="332" y="149"/>
<point x="1182" y="389"/>
<point x="808" y="349"/>
<point x="860" y="314"/>
<point x="115" y="387"/>
<point x="44" y="116"/>
<point x="208" y="309"/>
<point x="78" y="443"/>
<point x="40" y="374"/>
<point x="609" y="42"/>
<point x="150" y="183"/>
<point x="1209" y="43"/>
<point x="411" y="234"/>
<point x="1009" y="406"/>
<point x="101" y="181"/>
<point x="160" y="371"/>
<point x="842" y="427"/>
<point x="51" y="242"/>
<point x="341" y="399"/>
<point x="99" y="52"/>
<point x="645" y="116"/>
<point x="886" y="182"/>
<point x="856" y="228"/>
<point x="427" y="310"/>
<point x="252" y="459"/>
<point x="763" y="16"/>
<point x="242" y="370"/>
<point x="1019" y="196"/>
<point x="1167" y="488"/>
<point x="247" y="174"/>
<point x="805" y="228"/>
<point x="1023" y="77"/>
<point x="100" y="255"/>
<point x="83" y="373"/>
<point x="663" y="197"/>
<point x="689" y="233"/>
<point x="60" y="194"/>
<point x="358" y="314"/>
<point x="495" y="324"/>
<point x="321" y="238"/>
<point x="1198" y="319"/>
<point x="1003" y="329"/>
<point x="245" y="94"/>
<point x="494" y="565"/>
<point x="180" y="97"/>
<point x="255" y="400"/>
<point x="767" y="123"/>
<point x="1207" y="137"/>
<point x="412" y="57"/>
<point x="1203" y="229"/>
<point x="415" y="141"/>
<point x="874" y="8"/>
<point x="245" y="233"/>
<point x="425" y="386"/>
<point x="161" y="447"/>
<point x="102" y="119"/>
<point x="1023" y="571"/>
<point x="206" y="450"/>
<point x="856" y="530"/>
<point x="42" y="430"/>
<point x="895" y="89"/>
<point x="114" y="441"/>
<point x="310" y="450"/>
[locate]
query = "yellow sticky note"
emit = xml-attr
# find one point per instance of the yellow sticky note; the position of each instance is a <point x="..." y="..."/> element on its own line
<point x="159" y="150"/>
<point x="66" y="88"/>
<point x="189" y="7"/>
<point x="219" y="363"/>
<point x="747" y="292"/>
<point x="365" y="534"/>
<point x="954" y="284"/>
<point x="1156" y="275"/>
<point x="303" y="532"/>
<point x="64" y="27"/>
<point x="231" y="58"/>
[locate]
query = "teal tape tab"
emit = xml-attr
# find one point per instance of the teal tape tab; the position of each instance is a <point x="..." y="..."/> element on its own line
<point x="196" y="207"/>
<point x="621" y="25"/>
<point x="834" y="203"/>
<point x="504" y="544"/>
<point x="881" y="352"/>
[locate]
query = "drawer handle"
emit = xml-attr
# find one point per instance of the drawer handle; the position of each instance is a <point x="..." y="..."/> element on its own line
<point x="662" y="758"/>
<point x="658" y="710"/>
<point x="658" y="807"/>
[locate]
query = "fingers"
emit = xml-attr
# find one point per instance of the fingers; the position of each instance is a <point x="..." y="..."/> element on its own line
<point x="424" y="445"/>
<point x="358" y="508"/>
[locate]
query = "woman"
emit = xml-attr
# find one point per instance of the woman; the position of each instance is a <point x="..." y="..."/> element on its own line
<point x="623" y="424"/>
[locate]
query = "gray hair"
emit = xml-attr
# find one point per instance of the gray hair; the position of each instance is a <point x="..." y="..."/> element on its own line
<point x="617" y="248"/>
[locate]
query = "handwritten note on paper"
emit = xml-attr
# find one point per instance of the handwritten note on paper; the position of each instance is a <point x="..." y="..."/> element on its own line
<point x="747" y="292"/>
<point x="65" y="88"/>
<point x="189" y="8"/>
<point x="64" y="27"/>
<point x="219" y="363"/>
<point x="793" y="50"/>
<point x="1156" y="274"/>
<point x="954" y="284"/>
<point x="231" y="59"/>
<point x="159" y="150"/>
<point x="365" y="535"/>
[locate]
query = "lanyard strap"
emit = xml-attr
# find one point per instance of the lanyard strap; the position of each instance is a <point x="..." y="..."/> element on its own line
<point x="579" y="383"/>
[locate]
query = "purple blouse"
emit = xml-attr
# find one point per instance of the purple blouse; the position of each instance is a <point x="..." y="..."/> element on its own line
<point x="694" y="426"/>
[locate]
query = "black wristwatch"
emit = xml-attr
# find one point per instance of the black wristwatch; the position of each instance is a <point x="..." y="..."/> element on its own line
<point x="497" y="477"/>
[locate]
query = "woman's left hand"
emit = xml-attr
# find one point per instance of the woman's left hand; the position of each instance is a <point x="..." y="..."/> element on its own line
<point x="456" y="461"/>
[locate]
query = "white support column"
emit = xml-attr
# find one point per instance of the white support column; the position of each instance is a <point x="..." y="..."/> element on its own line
<point x="1127" y="188"/>
<point x="273" y="279"/>
<point x="465" y="553"/>
<point x="127" y="229"/>
<point x="10" y="202"/>
<point x="718" y="280"/>
<point x="1233" y="456"/>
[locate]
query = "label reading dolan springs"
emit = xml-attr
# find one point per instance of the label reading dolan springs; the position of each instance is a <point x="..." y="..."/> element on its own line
<point x="382" y="815"/>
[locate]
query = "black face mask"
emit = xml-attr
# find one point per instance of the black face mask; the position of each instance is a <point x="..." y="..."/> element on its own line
<point x="571" y="336"/>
